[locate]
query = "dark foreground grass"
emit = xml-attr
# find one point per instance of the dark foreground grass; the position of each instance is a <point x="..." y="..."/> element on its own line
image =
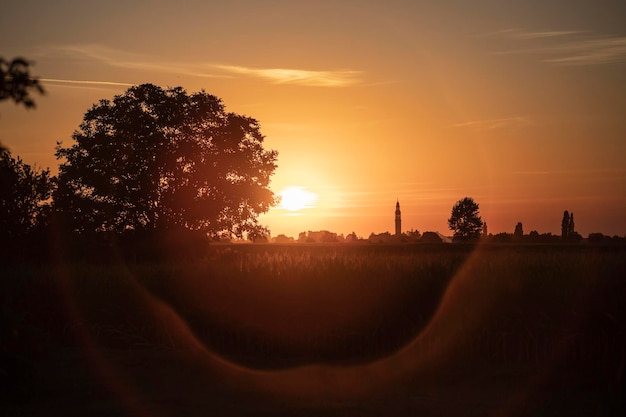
<point x="134" y="338"/>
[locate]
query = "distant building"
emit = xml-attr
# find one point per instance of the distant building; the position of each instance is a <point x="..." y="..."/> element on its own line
<point x="398" y="220"/>
<point x="485" y="229"/>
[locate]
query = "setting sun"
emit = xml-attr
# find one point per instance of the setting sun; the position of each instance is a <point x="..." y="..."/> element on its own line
<point x="296" y="198"/>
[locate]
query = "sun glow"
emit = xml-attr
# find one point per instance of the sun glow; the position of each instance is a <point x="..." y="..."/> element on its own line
<point x="296" y="198"/>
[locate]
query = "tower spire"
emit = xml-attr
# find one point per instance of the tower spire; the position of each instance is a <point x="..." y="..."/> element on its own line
<point x="398" y="219"/>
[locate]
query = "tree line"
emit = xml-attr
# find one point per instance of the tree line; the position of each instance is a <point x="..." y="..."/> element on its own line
<point x="467" y="226"/>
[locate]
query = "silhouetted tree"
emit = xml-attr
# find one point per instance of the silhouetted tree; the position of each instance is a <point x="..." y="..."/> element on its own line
<point x="430" y="237"/>
<point x="597" y="237"/>
<point x="16" y="83"/>
<point x="519" y="231"/>
<point x="258" y="236"/>
<point x="413" y="235"/>
<point x="24" y="195"/>
<point x="565" y="224"/>
<point x="465" y="221"/>
<point x="533" y="236"/>
<point x="158" y="159"/>
<point x="352" y="237"/>
<point x="283" y="239"/>
<point x="502" y="237"/>
<point x="568" y="230"/>
<point x="318" y="236"/>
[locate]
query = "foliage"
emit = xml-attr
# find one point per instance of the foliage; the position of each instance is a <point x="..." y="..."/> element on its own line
<point x="431" y="237"/>
<point x="567" y="224"/>
<point x="502" y="237"/>
<point x="16" y="83"/>
<point x="156" y="159"/>
<point x="465" y="220"/>
<point x="519" y="231"/>
<point x="318" y="236"/>
<point x="24" y="195"/>
<point x="568" y="230"/>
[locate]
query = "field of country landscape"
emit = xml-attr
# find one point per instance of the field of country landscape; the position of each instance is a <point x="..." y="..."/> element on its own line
<point x="364" y="329"/>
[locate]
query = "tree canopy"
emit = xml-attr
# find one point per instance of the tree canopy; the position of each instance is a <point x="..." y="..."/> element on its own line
<point x="154" y="159"/>
<point x="16" y="83"/>
<point x="465" y="220"/>
<point x="24" y="197"/>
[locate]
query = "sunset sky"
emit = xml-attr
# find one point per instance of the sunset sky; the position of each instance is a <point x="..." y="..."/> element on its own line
<point x="518" y="104"/>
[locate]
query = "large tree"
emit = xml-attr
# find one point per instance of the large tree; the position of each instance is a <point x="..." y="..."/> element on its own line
<point x="155" y="159"/>
<point x="24" y="197"/>
<point x="465" y="220"/>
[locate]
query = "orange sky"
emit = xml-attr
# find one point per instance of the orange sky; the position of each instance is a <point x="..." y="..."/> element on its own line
<point x="520" y="105"/>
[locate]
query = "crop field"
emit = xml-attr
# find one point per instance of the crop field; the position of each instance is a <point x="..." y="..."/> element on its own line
<point x="320" y="329"/>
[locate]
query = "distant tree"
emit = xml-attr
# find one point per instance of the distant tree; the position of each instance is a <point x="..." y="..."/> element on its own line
<point x="519" y="231"/>
<point x="533" y="236"/>
<point x="413" y="234"/>
<point x="548" y="238"/>
<point x="328" y="237"/>
<point x="568" y="229"/>
<point x="318" y="236"/>
<point x="565" y="225"/>
<point x="575" y="237"/>
<point x="597" y="237"/>
<point x="465" y="221"/>
<point x="502" y="237"/>
<point x="24" y="197"/>
<point x="351" y="237"/>
<point x="155" y="159"/>
<point x="384" y="237"/>
<point x="283" y="239"/>
<point x="430" y="237"/>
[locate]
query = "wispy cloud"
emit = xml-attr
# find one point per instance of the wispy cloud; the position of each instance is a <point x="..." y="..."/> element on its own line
<point x="340" y="78"/>
<point x="591" y="52"/>
<point x="567" y="47"/>
<point x="122" y="59"/>
<point x="84" y="83"/>
<point x="491" y="124"/>
<point x="603" y="173"/>
<point x="520" y="34"/>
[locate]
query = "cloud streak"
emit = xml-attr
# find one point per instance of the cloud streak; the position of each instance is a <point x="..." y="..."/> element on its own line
<point x="310" y="78"/>
<point x="85" y="83"/>
<point x="573" y="48"/>
<point x="492" y="124"/>
<point x="519" y="34"/>
<point x="121" y="59"/>
<point x="591" y="52"/>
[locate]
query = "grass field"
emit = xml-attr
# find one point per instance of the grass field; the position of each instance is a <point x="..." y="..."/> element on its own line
<point x="321" y="329"/>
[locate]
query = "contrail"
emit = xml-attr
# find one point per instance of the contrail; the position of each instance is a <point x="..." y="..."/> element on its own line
<point x="54" y="80"/>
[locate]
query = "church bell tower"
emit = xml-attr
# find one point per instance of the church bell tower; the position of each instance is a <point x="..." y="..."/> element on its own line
<point x="398" y="219"/>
